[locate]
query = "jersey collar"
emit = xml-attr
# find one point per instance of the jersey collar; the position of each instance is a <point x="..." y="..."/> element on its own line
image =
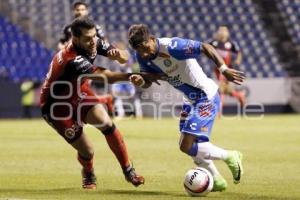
<point x="82" y="52"/>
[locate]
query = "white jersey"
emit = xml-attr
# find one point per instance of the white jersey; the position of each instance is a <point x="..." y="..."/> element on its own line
<point x="176" y="58"/>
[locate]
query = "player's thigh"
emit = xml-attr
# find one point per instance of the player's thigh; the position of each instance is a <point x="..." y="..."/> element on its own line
<point x="68" y="128"/>
<point x="98" y="117"/>
<point x="184" y="114"/>
<point x="200" y="119"/>
<point x="186" y="141"/>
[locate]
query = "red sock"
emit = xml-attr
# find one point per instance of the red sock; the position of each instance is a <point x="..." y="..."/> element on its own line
<point x="87" y="164"/>
<point x="118" y="147"/>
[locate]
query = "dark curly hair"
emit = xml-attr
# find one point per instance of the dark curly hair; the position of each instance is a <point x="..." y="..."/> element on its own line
<point x="80" y="23"/>
<point x="137" y="34"/>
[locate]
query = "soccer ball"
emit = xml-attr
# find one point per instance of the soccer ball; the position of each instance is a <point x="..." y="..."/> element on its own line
<point x="198" y="182"/>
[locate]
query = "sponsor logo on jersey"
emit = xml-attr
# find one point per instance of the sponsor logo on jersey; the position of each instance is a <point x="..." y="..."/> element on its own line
<point x="85" y="66"/>
<point x="78" y="59"/>
<point x="204" y="129"/>
<point x="193" y="126"/>
<point x="215" y="43"/>
<point x="175" y="80"/>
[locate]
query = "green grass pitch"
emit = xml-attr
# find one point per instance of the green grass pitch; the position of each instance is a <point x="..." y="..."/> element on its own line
<point x="35" y="163"/>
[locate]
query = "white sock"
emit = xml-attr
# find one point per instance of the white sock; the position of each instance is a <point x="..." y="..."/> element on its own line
<point x="207" y="150"/>
<point x="119" y="107"/>
<point x="207" y="164"/>
<point x="138" y="107"/>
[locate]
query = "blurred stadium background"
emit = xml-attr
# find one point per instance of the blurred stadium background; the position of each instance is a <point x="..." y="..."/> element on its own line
<point x="268" y="32"/>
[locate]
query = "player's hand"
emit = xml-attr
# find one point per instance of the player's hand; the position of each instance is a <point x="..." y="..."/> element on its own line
<point x="137" y="80"/>
<point x="234" y="76"/>
<point x="114" y="54"/>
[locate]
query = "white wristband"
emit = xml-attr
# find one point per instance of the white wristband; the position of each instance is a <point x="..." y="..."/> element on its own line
<point x="223" y="68"/>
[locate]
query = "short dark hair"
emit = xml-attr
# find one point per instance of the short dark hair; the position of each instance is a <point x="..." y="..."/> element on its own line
<point x="80" y="23"/>
<point x="78" y="3"/>
<point x="137" y="34"/>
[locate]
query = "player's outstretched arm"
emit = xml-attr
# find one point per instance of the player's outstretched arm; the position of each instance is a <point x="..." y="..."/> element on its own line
<point x="139" y="81"/>
<point x="110" y="76"/>
<point x="145" y="79"/>
<point x="121" y="56"/>
<point x="231" y="74"/>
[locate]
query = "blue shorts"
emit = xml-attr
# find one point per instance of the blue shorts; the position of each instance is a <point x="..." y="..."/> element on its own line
<point x="198" y="118"/>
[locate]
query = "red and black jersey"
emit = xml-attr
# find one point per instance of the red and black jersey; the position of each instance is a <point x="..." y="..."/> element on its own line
<point x="226" y="49"/>
<point x="61" y="84"/>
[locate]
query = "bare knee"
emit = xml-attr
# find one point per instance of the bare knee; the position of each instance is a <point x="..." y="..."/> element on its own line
<point x="107" y="122"/>
<point x="87" y="153"/>
<point x="98" y="117"/>
<point x="84" y="147"/>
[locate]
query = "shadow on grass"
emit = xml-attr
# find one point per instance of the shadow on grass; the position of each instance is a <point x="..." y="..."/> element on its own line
<point x="142" y="192"/>
<point x="75" y="190"/>
<point x="252" y="196"/>
<point x="18" y="190"/>
<point x="55" y="192"/>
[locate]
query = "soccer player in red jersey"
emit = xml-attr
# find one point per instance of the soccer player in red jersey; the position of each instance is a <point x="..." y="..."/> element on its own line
<point x="81" y="9"/>
<point x="67" y="101"/>
<point x="227" y="48"/>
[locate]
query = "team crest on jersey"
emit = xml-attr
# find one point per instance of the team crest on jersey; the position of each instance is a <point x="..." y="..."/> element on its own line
<point x="167" y="62"/>
<point x="172" y="69"/>
<point x="228" y="45"/>
<point x="70" y="133"/>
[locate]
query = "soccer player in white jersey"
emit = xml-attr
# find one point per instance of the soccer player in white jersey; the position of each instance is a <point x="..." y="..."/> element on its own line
<point x="175" y="59"/>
